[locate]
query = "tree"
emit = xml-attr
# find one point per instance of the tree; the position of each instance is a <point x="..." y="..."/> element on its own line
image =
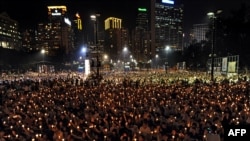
<point x="237" y="33"/>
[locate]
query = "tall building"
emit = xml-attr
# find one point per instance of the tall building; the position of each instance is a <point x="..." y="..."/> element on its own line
<point x="141" y="38"/>
<point x="199" y="32"/>
<point x="113" y="23"/>
<point x="29" y="40"/>
<point x="56" y="36"/>
<point x="166" y="25"/>
<point x="9" y="33"/>
<point x="116" y="38"/>
<point x="78" y="31"/>
<point x="57" y="13"/>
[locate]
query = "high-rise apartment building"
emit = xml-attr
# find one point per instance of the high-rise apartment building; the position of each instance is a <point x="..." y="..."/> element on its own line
<point x="116" y="38"/>
<point x="57" y="13"/>
<point x="141" y="37"/>
<point x="78" y="21"/>
<point x="166" y="25"/>
<point x="29" y="40"/>
<point x="113" y="23"/>
<point x="78" y="31"/>
<point x="199" y="32"/>
<point x="56" y="36"/>
<point x="9" y="33"/>
<point x="158" y="25"/>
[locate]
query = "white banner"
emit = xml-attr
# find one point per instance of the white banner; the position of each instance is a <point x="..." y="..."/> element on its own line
<point x="224" y="64"/>
<point x="231" y="67"/>
<point x="87" y="67"/>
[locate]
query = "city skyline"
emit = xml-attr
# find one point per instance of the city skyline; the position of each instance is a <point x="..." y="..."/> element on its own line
<point x="29" y="13"/>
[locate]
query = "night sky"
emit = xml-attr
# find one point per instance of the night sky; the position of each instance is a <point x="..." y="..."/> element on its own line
<point x="29" y="13"/>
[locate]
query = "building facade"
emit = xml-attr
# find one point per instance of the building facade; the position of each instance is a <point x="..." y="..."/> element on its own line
<point x="56" y="36"/>
<point x="199" y="32"/>
<point x="141" y="36"/>
<point x="29" y="40"/>
<point x="116" y="38"/>
<point x="78" y="31"/>
<point x="10" y="37"/>
<point x="166" y="25"/>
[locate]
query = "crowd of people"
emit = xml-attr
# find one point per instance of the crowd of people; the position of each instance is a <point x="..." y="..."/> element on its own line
<point x="140" y="106"/>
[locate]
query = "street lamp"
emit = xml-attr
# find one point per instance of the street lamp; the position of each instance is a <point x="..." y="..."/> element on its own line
<point x="212" y="16"/>
<point x="167" y="49"/>
<point x="105" y="62"/>
<point x="82" y="59"/>
<point x="105" y="57"/>
<point x="156" y="61"/>
<point x="125" y="50"/>
<point x="43" y="52"/>
<point x="42" y="66"/>
<point x="94" y="18"/>
<point x="84" y="51"/>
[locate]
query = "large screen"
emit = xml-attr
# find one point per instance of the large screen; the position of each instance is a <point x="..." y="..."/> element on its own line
<point x="168" y="1"/>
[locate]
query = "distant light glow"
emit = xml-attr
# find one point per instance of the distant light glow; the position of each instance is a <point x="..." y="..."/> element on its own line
<point x="58" y="7"/>
<point x="79" y="24"/>
<point x="210" y="14"/>
<point x="77" y="15"/>
<point x="43" y="51"/>
<point x="168" y="1"/>
<point x="142" y="9"/>
<point x="93" y="17"/>
<point x="67" y="21"/>
<point x="125" y="49"/>
<point x="167" y="48"/>
<point x="57" y="10"/>
<point x="84" y="50"/>
<point x="56" y="14"/>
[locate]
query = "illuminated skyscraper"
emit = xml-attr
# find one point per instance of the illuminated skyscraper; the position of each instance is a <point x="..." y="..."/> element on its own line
<point x="56" y="13"/>
<point x="159" y="24"/>
<point x="141" y="43"/>
<point x="199" y="32"/>
<point x="29" y="40"/>
<point x="116" y="37"/>
<point x="56" y="36"/>
<point x="113" y="23"/>
<point x="9" y="35"/>
<point x="78" y="21"/>
<point x="166" y="24"/>
<point x="78" y="31"/>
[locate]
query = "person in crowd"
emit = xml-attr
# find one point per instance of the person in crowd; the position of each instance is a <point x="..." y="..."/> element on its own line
<point x="126" y="107"/>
